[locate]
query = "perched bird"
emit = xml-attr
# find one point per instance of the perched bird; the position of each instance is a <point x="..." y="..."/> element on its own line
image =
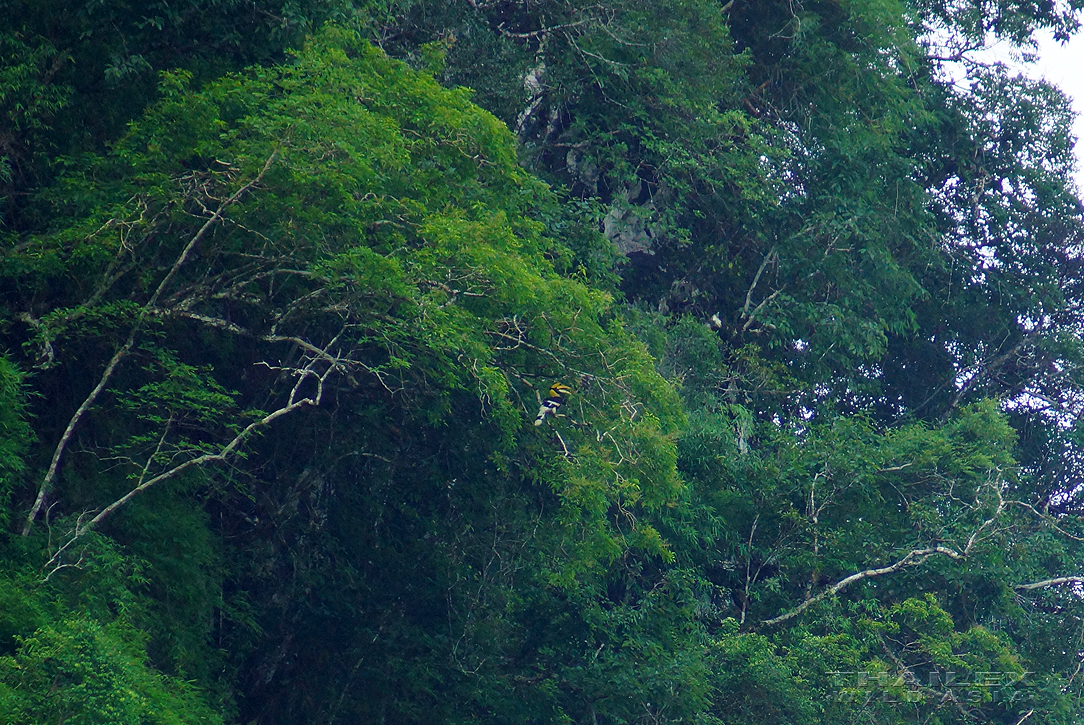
<point x="553" y="402"/>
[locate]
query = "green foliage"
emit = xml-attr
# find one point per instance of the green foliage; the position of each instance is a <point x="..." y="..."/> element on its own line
<point x="28" y="100"/>
<point x="82" y="672"/>
<point x="338" y="235"/>
<point x="289" y="316"/>
<point x="73" y="651"/>
<point x="74" y="77"/>
<point x="15" y="432"/>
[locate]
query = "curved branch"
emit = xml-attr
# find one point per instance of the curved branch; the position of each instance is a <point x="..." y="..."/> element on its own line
<point x="1049" y="583"/>
<point x="1047" y="519"/>
<point x="54" y="466"/>
<point x="913" y="558"/>
<point x="222" y="455"/>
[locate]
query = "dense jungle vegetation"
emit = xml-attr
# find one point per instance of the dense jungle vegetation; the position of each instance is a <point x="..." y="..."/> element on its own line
<point x="283" y="283"/>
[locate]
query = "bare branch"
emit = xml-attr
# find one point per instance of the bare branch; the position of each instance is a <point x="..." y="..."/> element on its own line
<point x="563" y="446"/>
<point x="995" y="484"/>
<point x="50" y="475"/>
<point x="56" y="560"/>
<point x="544" y="31"/>
<point x="238" y="330"/>
<point x="752" y="316"/>
<point x="986" y="368"/>
<point x="1028" y="714"/>
<point x="295" y="402"/>
<point x="893" y="469"/>
<point x="206" y="227"/>
<point x="746" y="314"/>
<point x="748" y="568"/>
<point x="58" y="566"/>
<point x="1047" y="519"/>
<point x="1049" y="583"/>
<point x="54" y="466"/>
<point x="913" y="558"/>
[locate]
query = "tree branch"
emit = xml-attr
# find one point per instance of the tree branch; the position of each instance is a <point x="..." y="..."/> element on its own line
<point x="294" y="403"/>
<point x="50" y="475"/>
<point x="54" y="466"/>
<point x="1049" y="583"/>
<point x="544" y="31"/>
<point x="745" y="313"/>
<point x="913" y="558"/>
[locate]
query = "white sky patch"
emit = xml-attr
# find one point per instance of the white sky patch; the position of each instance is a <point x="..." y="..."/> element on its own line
<point x="1059" y="63"/>
<point x="1063" y="65"/>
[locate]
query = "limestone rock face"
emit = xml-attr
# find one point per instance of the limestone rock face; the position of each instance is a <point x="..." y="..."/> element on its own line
<point x="628" y="224"/>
